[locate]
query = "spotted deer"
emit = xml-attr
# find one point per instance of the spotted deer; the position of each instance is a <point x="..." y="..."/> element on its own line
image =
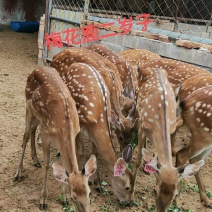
<point x="156" y="107"/>
<point x="49" y="103"/>
<point x="126" y="72"/>
<point x="187" y="87"/>
<point x="194" y="83"/>
<point x="197" y="115"/>
<point x="62" y="61"/>
<point x="137" y="57"/>
<point x="126" y="95"/>
<point x="93" y="105"/>
<point x="178" y="72"/>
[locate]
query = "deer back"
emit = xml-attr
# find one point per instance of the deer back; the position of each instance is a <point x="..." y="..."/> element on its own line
<point x="197" y="112"/>
<point x="177" y="71"/>
<point x="50" y="97"/>
<point x="194" y="83"/>
<point x="81" y="55"/>
<point x="126" y="72"/>
<point x="138" y="57"/>
<point x="89" y="91"/>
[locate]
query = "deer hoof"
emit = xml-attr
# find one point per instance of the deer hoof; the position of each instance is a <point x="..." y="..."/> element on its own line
<point x="38" y="165"/>
<point x="209" y="206"/>
<point x="18" y="178"/>
<point x="99" y="190"/>
<point x="43" y="206"/>
<point x="65" y="202"/>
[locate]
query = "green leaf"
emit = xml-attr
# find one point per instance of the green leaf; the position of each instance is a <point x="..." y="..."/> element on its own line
<point x="104" y="183"/>
<point x="130" y="166"/>
<point x="209" y="194"/>
<point x="136" y="203"/>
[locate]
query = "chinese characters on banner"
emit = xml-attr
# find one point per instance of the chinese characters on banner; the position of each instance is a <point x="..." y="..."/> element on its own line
<point x="90" y="32"/>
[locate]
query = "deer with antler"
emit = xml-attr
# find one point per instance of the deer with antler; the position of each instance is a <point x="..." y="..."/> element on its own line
<point x="62" y="61"/>
<point x="93" y="105"/>
<point x="197" y="115"/>
<point x="156" y="107"/>
<point x="49" y="103"/>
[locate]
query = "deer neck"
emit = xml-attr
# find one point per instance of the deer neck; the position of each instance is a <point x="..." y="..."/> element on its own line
<point x="163" y="145"/>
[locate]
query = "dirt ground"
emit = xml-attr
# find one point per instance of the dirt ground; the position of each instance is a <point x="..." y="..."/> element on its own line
<point x="18" y="58"/>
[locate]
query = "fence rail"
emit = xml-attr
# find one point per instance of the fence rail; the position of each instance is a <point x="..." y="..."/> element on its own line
<point x="177" y="19"/>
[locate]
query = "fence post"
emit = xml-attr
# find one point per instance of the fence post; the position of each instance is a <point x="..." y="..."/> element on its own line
<point x="46" y="29"/>
<point x="86" y="8"/>
<point x="176" y="15"/>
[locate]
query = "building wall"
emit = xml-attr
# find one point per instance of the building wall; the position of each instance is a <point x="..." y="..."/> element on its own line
<point x="21" y="10"/>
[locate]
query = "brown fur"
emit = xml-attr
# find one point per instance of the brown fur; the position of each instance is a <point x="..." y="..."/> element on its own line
<point x="197" y="115"/>
<point x="93" y="105"/>
<point x="49" y="101"/>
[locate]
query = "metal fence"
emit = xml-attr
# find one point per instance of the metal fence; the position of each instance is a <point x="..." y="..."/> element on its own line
<point x="180" y="19"/>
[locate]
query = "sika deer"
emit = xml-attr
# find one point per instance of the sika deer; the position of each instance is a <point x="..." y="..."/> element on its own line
<point x="194" y="83"/>
<point x="49" y="103"/>
<point x="126" y="72"/>
<point x="137" y="57"/>
<point x="178" y="72"/>
<point x="157" y="120"/>
<point x="187" y="87"/>
<point x="197" y="115"/>
<point x="93" y="105"/>
<point x="70" y="55"/>
<point x="126" y="95"/>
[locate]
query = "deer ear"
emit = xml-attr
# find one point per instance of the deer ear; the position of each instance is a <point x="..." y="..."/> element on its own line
<point x="126" y="91"/>
<point x="60" y="173"/>
<point x="114" y="119"/>
<point x="132" y="111"/>
<point x="146" y="155"/>
<point x="90" y="166"/>
<point x="131" y="94"/>
<point x="151" y="163"/>
<point x="120" y="167"/>
<point x="127" y="153"/>
<point x="190" y="169"/>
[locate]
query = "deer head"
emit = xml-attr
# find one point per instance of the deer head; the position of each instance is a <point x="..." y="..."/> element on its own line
<point x="77" y="182"/>
<point x="167" y="179"/>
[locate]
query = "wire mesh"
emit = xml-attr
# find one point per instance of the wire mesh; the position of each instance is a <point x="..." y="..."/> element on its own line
<point x="190" y="17"/>
<point x="178" y="19"/>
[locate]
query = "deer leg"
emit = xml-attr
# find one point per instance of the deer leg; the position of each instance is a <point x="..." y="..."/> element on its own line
<point x="196" y="151"/>
<point x="141" y="143"/>
<point x="39" y="140"/>
<point x="33" y="148"/>
<point x="29" y="119"/>
<point x="79" y="150"/>
<point x="185" y="134"/>
<point x="198" y="176"/>
<point x="46" y="156"/>
<point x="97" y="180"/>
<point x="173" y="137"/>
<point x="181" y="157"/>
